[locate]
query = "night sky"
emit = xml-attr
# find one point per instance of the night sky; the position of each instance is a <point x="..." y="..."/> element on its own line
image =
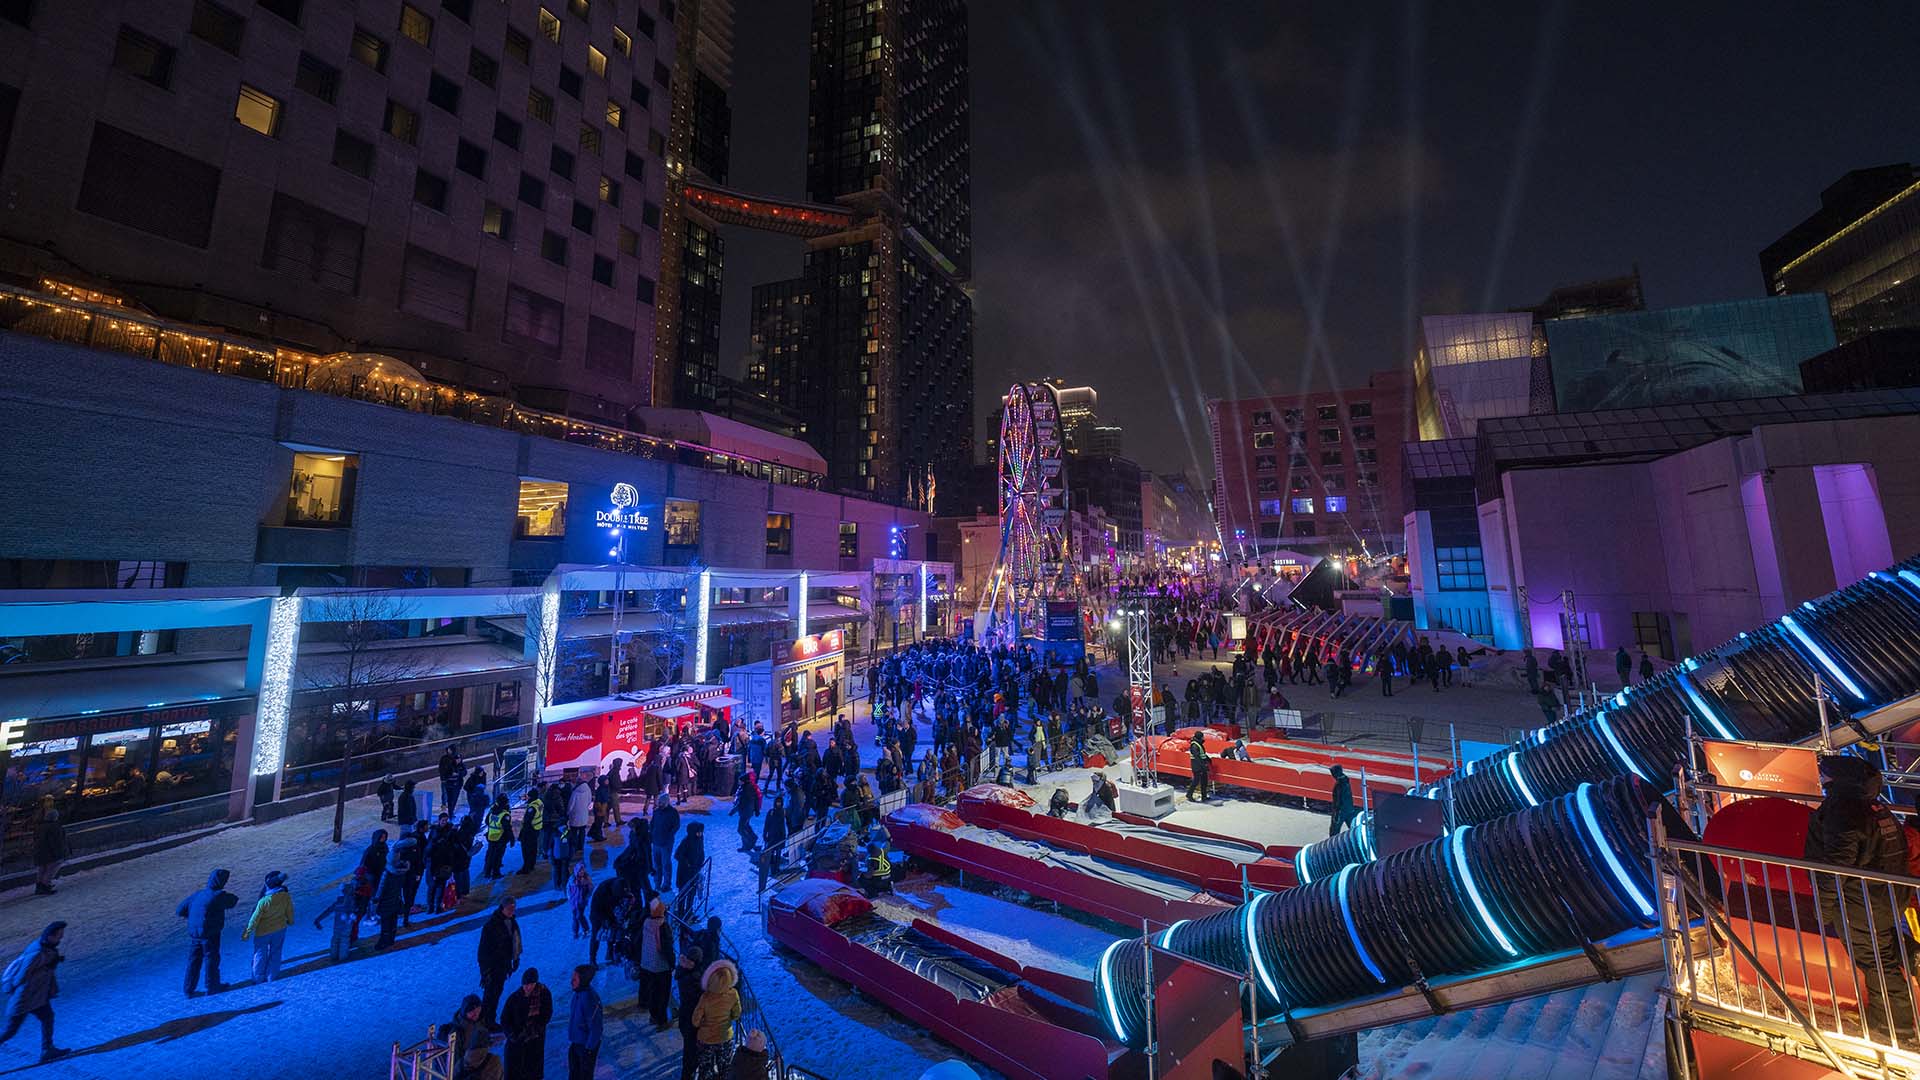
<point x="1181" y="200"/>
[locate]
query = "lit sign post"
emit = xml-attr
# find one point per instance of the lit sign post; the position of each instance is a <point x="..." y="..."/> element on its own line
<point x="622" y="517"/>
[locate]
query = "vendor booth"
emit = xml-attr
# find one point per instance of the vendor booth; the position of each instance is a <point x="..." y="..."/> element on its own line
<point x="589" y="735"/>
<point x="804" y="685"/>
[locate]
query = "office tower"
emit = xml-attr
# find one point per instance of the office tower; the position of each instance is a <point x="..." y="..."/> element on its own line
<point x="687" y="337"/>
<point x="1861" y="248"/>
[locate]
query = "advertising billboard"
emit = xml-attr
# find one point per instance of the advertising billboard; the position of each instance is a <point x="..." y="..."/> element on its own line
<point x="1708" y="352"/>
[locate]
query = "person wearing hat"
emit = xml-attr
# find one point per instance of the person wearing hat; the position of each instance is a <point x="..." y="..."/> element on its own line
<point x="1851" y="828"/>
<point x="524" y="1018"/>
<point x="499" y="954"/>
<point x="876" y="871"/>
<point x="30" y="987"/>
<point x="267" y="926"/>
<point x="583" y="1026"/>
<point x="1342" y="799"/>
<point x="750" y="1061"/>
<point x="478" y="1063"/>
<point x="1200" y="767"/>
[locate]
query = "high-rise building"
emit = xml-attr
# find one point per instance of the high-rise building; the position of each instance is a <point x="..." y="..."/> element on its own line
<point x="1107" y="440"/>
<point x="1861" y="248"/>
<point x="1315" y="470"/>
<point x="687" y="340"/>
<point x="473" y="189"/>
<point x="1079" y="411"/>
<point x="1111" y="485"/>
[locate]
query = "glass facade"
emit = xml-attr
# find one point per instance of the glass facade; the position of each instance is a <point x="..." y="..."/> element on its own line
<point x="1708" y="352"/>
<point x="1862" y="250"/>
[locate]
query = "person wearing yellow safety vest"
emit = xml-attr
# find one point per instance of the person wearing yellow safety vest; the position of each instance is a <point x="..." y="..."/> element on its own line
<point x="533" y="818"/>
<point x="498" y="825"/>
<point x="876" y="871"/>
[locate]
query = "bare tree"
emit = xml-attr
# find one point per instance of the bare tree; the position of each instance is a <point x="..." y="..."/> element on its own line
<point x="364" y="628"/>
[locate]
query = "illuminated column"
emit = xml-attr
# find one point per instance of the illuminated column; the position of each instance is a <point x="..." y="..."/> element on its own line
<point x="923" y="599"/>
<point x="798" y="604"/>
<point x="547" y="646"/>
<point x="700" y="633"/>
<point x="276" y="686"/>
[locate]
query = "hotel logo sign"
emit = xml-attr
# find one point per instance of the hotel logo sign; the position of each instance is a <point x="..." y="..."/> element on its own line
<point x="625" y="513"/>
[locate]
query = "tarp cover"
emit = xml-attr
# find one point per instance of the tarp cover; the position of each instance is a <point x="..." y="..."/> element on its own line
<point x="1003" y="796"/>
<point x="824" y="899"/>
<point x="933" y="817"/>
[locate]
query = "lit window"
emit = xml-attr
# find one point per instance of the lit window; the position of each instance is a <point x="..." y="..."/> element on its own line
<point x="415" y="25"/>
<point x="1303" y="506"/>
<point x="596" y="61"/>
<point x="578" y="7"/>
<point x="1263" y="440"/>
<point x="543" y="509"/>
<point x="609" y="191"/>
<point x="257" y="110"/>
<point x="779" y="534"/>
<point x="616" y="116"/>
<point x="1336" y="504"/>
<point x="321" y="490"/>
<point x="402" y="123"/>
<point x="622" y="42"/>
<point x="497" y="221"/>
<point x="849" y="539"/>
<point x="549" y="25"/>
<point x="683" y="523"/>
<point x="368" y="49"/>
<point x="1271" y="508"/>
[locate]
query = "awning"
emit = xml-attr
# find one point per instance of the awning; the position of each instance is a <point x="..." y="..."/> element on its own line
<point x="118" y="687"/>
<point x="721" y="702"/>
<point x="673" y="712"/>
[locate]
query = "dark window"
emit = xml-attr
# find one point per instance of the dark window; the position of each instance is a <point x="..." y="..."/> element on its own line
<point x="533" y="191"/>
<point x="459" y="9"/>
<point x="217" y="26"/>
<point x="317" y="77"/>
<point x="1360" y="410"/>
<point x="470" y="159"/>
<point x="636" y="166"/>
<point x="656" y="143"/>
<point x="539" y="106"/>
<point x="1303" y="528"/>
<point x="629" y="241"/>
<point x="286" y="9"/>
<point x="553" y="247"/>
<point x="533" y="322"/>
<point x="1330" y="459"/>
<point x="443" y="93"/>
<point x="560" y="163"/>
<point x="369" y="49"/>
<point x="1366" y="456"/>
<point x="517" y="46"/>
<point x="643" y="289"/>
<point x="506" y="130"/>
<point x="430" y="191"/>
<point x="1327" y="412"/>
<point x="570" y="83"/>
<point x="583" y="217"/>
<point x="148" y="187"/>
<point x="650" y="215"/>
<point x="603" y="270"/>
<point x="589" y="139"/>
<point x="313" y="245"/>
<point x="662" y="75"/>
<point x="641" y="93"/>
<point x="1263" y="419"/>
<point x="18" y="12"/>
<point x="143" y="57"/>
<point x="436" y="288"/>
<point x="1363" y="433"/>
<point x="353" y="155"/>
<point x="645" y="24"/>
<point x="402" y="123"/>
<point x="1330" y="435"/>
<point x="578" y="8"/>
<point x="609" y="348"/>
<point x="497" y="221"/>
<point x="483" y="68"/>
<point x="1269" y="530"/>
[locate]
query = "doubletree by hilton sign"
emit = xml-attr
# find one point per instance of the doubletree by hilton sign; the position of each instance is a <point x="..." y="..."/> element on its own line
<point x="624" y="512"/>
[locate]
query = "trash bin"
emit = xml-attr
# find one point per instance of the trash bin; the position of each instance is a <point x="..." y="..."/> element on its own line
<point x="726" y="773"/>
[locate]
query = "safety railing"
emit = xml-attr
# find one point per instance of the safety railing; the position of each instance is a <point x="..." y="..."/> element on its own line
<point x="689" y="913"/>
<point x="1801" y="956"/>
<point x="410" y="758"/>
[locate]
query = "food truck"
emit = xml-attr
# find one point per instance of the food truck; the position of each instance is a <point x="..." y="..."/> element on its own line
<point x="589" y="735"/>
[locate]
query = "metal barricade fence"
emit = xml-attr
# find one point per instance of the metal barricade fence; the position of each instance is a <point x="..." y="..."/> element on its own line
<point x="1816" y="959"/>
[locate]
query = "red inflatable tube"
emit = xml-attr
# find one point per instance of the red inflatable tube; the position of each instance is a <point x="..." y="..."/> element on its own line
<point x="1306" y="779"/>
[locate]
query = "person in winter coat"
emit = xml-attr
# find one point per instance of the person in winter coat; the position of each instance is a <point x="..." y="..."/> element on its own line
<point x="655" y="961"/>
<point x="477" y="800"/>
<point x="664" y="827"/>
<point x="561" y="854"/>
<point x="30" y="987"/>
<point x="470" y="1027"/>
<point x="1646" y="667"/>
<point x="498" y="824"/>
<point x="1853" y="829"/>
<point x="49" y="850"/>
<point x="386" y="790"/>
<point x="407" y="858"/>
<point x="690" y="856"/>
<point x="579" y="815"/>
<point x="686" y="979"/>
<point x="1201" y="787"/>
<point x="603" y="915"/>
<point x="750" y="1061"/>
<point x="713" y="1018"/>
<point x="499" y="955"/>
<point x="634" y="864"/>
<point x="345" y="914"/>
<point x="408" y="811"/>
<point x="579" y="894"/>
<point x="746" y="807"/>
<point x="1343" y="810"/>
<point x="583" y="1026"/>
<point x="533" y="821"/>
<point x="443" y="853"/>
<point x="390" y="902"/>
<point x="450" y="775"/>
<point x="206" y="915"/>
<point x="774" y="840"/>
<point x="524" y="1019"/>
<point x="272" y="914"/>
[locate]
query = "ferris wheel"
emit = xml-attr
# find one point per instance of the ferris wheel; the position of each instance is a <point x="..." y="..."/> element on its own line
<point x="1033" y="513"/>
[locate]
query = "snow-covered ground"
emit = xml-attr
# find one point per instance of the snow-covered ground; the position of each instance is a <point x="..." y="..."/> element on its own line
<point x="122" y="1009"/>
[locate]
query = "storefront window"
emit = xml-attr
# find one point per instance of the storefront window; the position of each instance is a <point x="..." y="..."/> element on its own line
<point x="543" y="509"/>
<point x="321" y="493"/>
<point x="193" y="759"/>
<point x="683" y="523"/>
<point x="116" y="778"/>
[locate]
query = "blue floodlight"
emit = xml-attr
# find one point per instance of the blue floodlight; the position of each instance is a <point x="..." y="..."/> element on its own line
<point x="1513" y="769"/>
<point x="1701" y="706"/>
<point x="1820" y="654"/>
<point x="1253" y="944"/>
<point x="1366" y="839"/>
<point x="1353" y="932"/>
<point x="1619" y="749"/>
<point x="1584" y="798"/>
<point x="1465" y="873"/>
<point x="1105" y="988"/>
<point x="1166" y="936"/>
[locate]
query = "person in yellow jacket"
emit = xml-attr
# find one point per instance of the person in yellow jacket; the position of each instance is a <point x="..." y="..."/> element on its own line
<point x="499" y="827"/>
<point x="713" y="1020"/>
<point x="268" y="927"/>
<point x="533" y="819"/>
